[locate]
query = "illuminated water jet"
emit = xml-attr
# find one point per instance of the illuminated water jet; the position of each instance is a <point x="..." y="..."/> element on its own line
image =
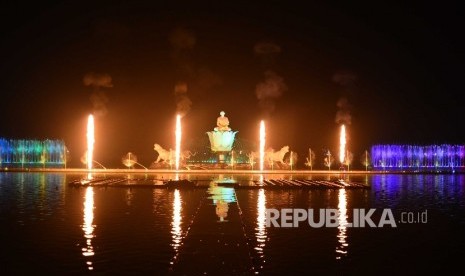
<point x="178" y="141"/>
<point x="291" y="161"/>
<point x="90" y="141"/>
<point x="232" y="160"/>
<point x="342" y="144"/>
<point x="130" y="159"/>
<point x="262" y="144"/>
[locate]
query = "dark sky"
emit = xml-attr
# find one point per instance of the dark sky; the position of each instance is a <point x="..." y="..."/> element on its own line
<point x="399" y="66"/>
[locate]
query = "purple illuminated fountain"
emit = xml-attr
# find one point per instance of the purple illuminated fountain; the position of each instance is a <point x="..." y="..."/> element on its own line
<point x="418" y="158"/>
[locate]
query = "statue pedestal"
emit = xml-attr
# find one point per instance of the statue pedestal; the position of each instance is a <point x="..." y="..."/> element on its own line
<point x="221" y="140"/>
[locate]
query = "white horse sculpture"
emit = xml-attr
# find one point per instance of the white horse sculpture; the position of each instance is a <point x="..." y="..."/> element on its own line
<point x="169" y="155"/>
<point x="165" y="155"/>
<point x="271" y="155"/>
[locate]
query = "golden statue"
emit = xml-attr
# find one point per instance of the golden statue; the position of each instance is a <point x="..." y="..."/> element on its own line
<point x="222" y="123"/>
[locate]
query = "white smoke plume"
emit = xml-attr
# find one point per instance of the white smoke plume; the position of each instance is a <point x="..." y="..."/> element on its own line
<point x="343" y="115"/>
<point x="181" y="38"/>
<point x="346" y="79"/>
<point x="348" y="82"/>
<point x="182" y="41"/>
<point x="269" y="90"/>
<point x="97" y="80"/>
<point x="183" y="103"/>
<point x="267" y="51"/>
<point x="266" y="48"/>
<point x="98" y="97"/>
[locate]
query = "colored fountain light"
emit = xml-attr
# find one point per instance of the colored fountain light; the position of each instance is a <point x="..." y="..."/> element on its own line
<point x="262" y="144"/>
<point x="342" y="144"/>
<point x="432" y="157"/>
<point x="90" y="141"/>
<point x="178" y="141"/>
<point x="32" y="153"/>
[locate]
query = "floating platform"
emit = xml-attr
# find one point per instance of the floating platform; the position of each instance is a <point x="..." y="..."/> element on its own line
<point x="310" y="184"/>
<point x="188" y="184"/>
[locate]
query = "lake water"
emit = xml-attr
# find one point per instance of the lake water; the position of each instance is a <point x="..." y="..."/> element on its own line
<point x="47" y="226"/>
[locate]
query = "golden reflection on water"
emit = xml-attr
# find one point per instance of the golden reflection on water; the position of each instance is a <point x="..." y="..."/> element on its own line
<point x="260" y="230"/>
<point x="129" y="196"/>
<point x="176" y="232"/>
<point x="221" y="197"/>
<point x="341" y="248"/>
<point x="88" y="227"/>
<point x="222" y="209"/>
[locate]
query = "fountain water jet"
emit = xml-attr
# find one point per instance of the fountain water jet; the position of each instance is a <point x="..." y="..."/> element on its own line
<point x="90" y="141"/>
<point x="130" y="159"/>
<point x="262" y="144"/>
<point x="342" y="144"/>
<point x="178" y="141"/>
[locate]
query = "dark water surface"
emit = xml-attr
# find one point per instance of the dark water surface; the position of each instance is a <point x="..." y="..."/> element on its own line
<point x="47" y="226"/>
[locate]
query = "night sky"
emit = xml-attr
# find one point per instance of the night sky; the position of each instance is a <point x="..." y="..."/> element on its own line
<point x="397" y="71"/>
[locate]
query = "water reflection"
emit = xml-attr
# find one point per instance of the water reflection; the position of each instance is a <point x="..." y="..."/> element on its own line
<point x="260" y="230"/>
<point x="129" y="196"/>
<point x="176" y="232"/>
<point x="88" y="227"/>
<point x="341" y="248"/>
<point x="221" y="197"/>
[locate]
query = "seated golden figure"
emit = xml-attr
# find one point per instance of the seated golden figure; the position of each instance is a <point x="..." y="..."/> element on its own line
<point x="222" y="123"/>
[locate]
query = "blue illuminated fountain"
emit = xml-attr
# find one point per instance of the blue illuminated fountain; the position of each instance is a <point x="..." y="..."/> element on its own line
<point x="32" y="153"/>
<point x="418" y="158"/>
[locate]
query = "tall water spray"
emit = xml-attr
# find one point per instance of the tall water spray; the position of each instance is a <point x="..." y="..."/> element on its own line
<point x="90" y="141"/>
<point x="262" y="144"/>
<point x="178" y="141"/>
<point x="342" y="144"/>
